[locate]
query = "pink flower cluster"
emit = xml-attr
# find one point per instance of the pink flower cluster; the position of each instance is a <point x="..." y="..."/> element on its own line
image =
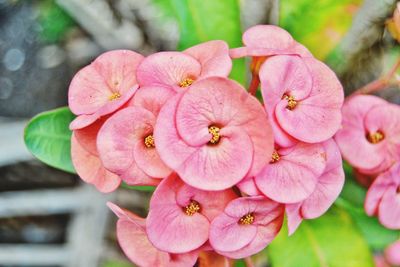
<point x="226" y="166"/>
<point x="370" y="141"/>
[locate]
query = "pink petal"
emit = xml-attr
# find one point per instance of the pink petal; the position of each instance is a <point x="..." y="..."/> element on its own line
<point x="226" y="234"/>
<point x="223" y="102"/>
<point x="248" y="186"/>
<point x="83" y="121"/>
<point x="316" y="117"/>
<point x="92" y="87"/>
<point x="150" y="162"/>
<point x="168" y="227"/>
<point x="168" y="69"/>
<point x="133" y="175"/>
<point x="87" y="137"/>
<point x="267" y="36"/>
<point x="133" y="240"/>
<point x="294" y="177"/>
<point x="213" y="57"/>
<point x="294" y="217"/>
<point x="120" y="134"/>
<point x="329" y="185"/>
<point x="379" y="187"/>
<point x="392" y="253"/>
<point x="351" y="138"/>
<point x="152" y="98"/>
<point x="171" y="148"/>
<point x="389" y="208"/>
<point x="91" y="170"/>
<point x="221" y="166"/>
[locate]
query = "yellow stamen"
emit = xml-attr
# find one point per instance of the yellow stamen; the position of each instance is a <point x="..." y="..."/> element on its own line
<point x="149" y="141"/>
<point x="247" y="219"/>
<point x="192" y="208"/>
<point x="114" y="96"/>
<point x="376" y="137"/>
<point x="275" y="157"/>
<point x="292" y="103"/>
<point x="186" y="82"/>
<point x="214" y="131"/>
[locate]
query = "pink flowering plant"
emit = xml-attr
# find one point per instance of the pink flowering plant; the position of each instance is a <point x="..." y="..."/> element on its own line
<point x="234" y="174"/>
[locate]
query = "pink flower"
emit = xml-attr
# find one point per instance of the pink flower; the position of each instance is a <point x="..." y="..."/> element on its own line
<point x="370" y="136"/>
<point x="383" y="198"/>
<point x="213" y="134"/>
<point x="392" y="253"/>
<point x="328" y="188"/>
<point x="267" y="40"/>
<point x="249" y="187"/>
<point x="86" y="161"/>
<point x="179" y="70"/>
<point x="179" y="215"/>
<point x="246" y="226"/>
<point x="303" y="98"/>
<point x="132" y="237"/>
<point x="103" y="86"/>
<point x="126" y="143"/>
<point x="292" y="174"/>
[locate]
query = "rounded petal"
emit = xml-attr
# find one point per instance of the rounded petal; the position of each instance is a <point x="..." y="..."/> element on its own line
<point x="217" y="167"/>
<point x="329" y="185"/>
<point x="87" y="137"/>
<point x="316" y="117"/>
<point x="294" y="177"/>
<point x="93" y="87"/>
<point x="351" y="138"/>
<point x="152" y="98"/>
<point x="389" y="208"/>
<point x="133" y="175"/>
<point x="267" y="36"/>
<point x="222" y="102"/>
<point x="91" y="170"/>
<point x="213" y="57"/>
<point x="119" y="135"/>
<point x="294" y="217"/>
<point x="226" y="234"/>
<point x="392" y="253"/>
<point x="167" y="69"/>
<point x="83" y="121"/>
<point x="249" y="187"/>
<point x="169" y="228"/>
<point x="148" y="160"/>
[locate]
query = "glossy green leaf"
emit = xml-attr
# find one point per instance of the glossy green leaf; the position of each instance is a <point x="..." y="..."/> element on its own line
<point x="319" y="25"/>
<point x="48" y="138"/>
<point x="205" y="20"/>
<point x="139" y="188"/>
<point x="332" y="240"/>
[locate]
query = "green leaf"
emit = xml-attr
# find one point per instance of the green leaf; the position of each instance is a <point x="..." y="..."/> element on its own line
<point x="205" y="20"/>
<point x="138" y="187"/>
<point x="332" y="240"/>
<point x="319" y="25"/>
<point x="48" y="138"/>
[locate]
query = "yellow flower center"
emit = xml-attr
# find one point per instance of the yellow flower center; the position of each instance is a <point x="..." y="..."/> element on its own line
<point x="192" y="208"/>
<point x="114" y="96"/>
<point x="376" y="137"/>
<point x="186" y="82"/>
<point x="214" y="131"/>
<point x="247" y="219"/>
<point x="275" y="157"/>
<point x="149" y="141"/>
<point x="292" y="103"/>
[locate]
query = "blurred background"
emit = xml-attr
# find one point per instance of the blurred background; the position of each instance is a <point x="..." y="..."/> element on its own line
<point x="49" y="217"/>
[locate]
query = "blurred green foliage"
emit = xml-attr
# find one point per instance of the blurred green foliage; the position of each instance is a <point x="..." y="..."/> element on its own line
<point x="55" y="22"/>
<point x="319" y="25"/>
<point x="332" y="240"/>
<point x="204" y="20"/>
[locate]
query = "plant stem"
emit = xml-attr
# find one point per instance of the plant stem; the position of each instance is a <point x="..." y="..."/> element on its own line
<point x="380" y="83"/>
<point x="255" y="82"/>
<point x="249" y="262"/>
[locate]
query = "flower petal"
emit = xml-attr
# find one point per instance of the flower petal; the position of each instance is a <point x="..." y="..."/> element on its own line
<point x="294" y="177"/>
<point x="213" y="57"/>
<point x="152" y="98"/>
<point x="92" y="87"/>
<point x="91" y="170"/>
<point x="168" y="69"/>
